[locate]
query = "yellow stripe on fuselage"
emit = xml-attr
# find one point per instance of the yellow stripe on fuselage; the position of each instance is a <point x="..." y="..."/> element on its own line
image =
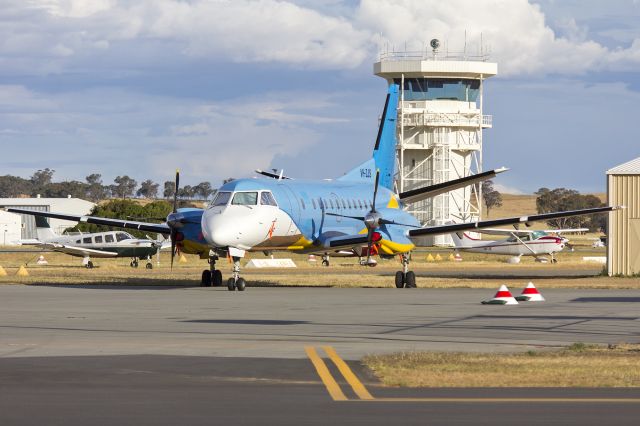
<point x="391" y="247"/>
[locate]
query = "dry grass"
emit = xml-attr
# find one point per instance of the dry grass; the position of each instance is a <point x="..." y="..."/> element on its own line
<point x="488" y="272"/>
<point x="576" y="366"/>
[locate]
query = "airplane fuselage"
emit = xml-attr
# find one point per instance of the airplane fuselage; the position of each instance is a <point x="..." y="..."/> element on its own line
<point x="540" y="246"/>
<point x="113" y="244"/>
<point x="269" y="214"/>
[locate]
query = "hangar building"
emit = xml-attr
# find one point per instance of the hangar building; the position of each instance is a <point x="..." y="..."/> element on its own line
<point x="10" y="227"/>
<point x="59" y="205"/>
<point x="623" y="248"/>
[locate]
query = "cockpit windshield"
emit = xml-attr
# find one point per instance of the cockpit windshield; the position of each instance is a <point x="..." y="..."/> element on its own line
<point x="537" y="234"/>
<point x="245" y="199"/>
<point x="120" y="236"/>
<point x="221" y="199"/>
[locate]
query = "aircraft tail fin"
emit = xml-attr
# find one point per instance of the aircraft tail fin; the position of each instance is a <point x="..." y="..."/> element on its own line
<point x="43" y="230"/>
<point x="463" y="240"/>
<point x="384" y="152"/>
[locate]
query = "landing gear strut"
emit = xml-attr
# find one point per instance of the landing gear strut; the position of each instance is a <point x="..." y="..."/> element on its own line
<point x="325" y="259"/>
<point x="134" y="262"/>
<point x="236" y="282"/>
<point x="405" y="278"/>
<point x="211" y="276"/>
<point x="86" y="261"/>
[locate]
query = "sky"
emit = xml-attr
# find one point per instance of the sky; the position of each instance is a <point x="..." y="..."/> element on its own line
<point x="218" y="88"/>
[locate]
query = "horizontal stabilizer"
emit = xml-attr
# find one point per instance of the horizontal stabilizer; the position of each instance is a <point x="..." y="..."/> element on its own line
<point x="272" y="175"/>
<point x="458" y="227"/>
<point x="440" y="188"/>
<point x="118" y="223"/>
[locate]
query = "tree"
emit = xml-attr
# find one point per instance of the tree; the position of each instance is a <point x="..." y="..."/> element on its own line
<point x="203" y="190"/>
<point x="72" y="188"/>
<point x="14" y="186"/>
<point x="563" y="199"/>
<point x="41" y="179"/>
<point x="169" y="189"/>
<point x="492" y="198"/>
<point x="124" y="186"/>
<point x="148" y="189"/>
<point x="95" y="190"/>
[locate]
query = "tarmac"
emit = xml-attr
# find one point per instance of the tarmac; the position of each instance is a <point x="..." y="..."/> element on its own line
<point x="149" y="355"/>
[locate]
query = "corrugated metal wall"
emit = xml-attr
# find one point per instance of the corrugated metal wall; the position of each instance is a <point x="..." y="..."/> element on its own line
<point x="29" y="222"/>
<point x="623" y="252"/>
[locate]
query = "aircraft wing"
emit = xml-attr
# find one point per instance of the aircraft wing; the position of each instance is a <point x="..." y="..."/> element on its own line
<point x="440" y="188"/>
<point x="457" y="227"/>
<point x="118" y="223"/>
<point x="565" y="231"/>
<point x="78" y="251"/>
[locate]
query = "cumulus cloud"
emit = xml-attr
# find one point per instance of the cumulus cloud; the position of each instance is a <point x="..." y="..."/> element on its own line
<point x="324" y="35"/>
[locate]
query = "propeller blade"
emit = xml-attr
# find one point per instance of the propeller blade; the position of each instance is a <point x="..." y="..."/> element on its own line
<point x="369" y="243"/>
<point x="393" y="222"/>
<point x="173" y="246"/>
<point x="175" y="194"/>
<point x="375" y="190"/>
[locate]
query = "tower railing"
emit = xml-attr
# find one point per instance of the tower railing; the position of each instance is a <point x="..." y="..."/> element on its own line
<point x="430" y="55"/>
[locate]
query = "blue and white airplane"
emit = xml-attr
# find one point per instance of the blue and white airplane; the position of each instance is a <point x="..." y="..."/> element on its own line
<point x="275" y="213"/>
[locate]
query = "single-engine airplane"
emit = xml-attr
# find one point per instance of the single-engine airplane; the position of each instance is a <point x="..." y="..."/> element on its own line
<point x="95" y="244"/>
<point x="519" y="242"/>
<point x="361" y="208"/>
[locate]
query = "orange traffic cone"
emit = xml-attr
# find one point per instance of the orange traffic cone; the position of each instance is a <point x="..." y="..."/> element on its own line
<point x="502" y="297"/>
<point x="530" y="294"/>
<point x="22" y="272"/>
<point x="3" y="273"/>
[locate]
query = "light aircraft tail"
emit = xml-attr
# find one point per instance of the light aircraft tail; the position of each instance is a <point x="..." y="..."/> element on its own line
<point x="43" y="230"/>
<point x="384" y="152"/>
<point x="462" y="240"/>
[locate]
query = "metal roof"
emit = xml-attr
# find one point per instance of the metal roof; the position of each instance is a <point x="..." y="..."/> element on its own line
<point x="629" y="168"/>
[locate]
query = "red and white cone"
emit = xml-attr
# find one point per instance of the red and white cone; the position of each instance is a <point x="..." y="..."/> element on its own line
<point x="530" y="294"/>
<point x="502" y="297"/>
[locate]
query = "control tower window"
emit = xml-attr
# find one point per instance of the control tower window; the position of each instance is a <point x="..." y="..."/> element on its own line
<point x="429" y="89"/>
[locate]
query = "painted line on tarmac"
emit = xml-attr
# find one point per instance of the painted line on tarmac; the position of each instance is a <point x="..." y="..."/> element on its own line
<point x="364" y="395"/>
<point x="351" y="378"/>
<point x="325" y="375"/>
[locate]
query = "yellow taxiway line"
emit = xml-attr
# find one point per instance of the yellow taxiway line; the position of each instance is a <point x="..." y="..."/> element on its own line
<point x="364" y="395"/>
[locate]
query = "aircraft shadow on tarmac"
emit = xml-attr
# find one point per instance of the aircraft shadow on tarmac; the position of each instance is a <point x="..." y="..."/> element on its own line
<point x="607" y="299"/>
<point x="249" y="322"/>
<point x="137" y="283"/>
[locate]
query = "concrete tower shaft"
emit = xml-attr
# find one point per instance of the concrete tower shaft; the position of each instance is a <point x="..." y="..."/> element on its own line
<point x="440" y="123"/>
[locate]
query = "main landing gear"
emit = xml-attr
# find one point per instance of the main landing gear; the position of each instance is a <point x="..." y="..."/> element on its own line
<point x="325" y="259"/>
<point x="211" y="276"/>
<point x="405" y="278"/>
<point x="236" y="282"/>
<point x="135" y="263"/>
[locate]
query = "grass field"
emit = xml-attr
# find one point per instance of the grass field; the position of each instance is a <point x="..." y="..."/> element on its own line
<point x="576" y="366"/>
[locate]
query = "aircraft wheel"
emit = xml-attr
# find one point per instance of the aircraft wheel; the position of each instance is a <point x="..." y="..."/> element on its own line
<point x="134" y="264"/>
<point x="89" y="265"/>
<point x="399" y="279"/>
<point x="216" y="278"/>
<point x="410" y="280"/>
<point x="206" y="278"/>
<point x="231" y="286"/>
<point x="554" y="260"/>
<point x="325" y="263"/>
<point x="149" y="265"/>
<point x="241" y="284"/>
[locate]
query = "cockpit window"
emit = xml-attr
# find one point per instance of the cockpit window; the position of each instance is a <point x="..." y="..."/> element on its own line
<point x="245" y="199"/>
<point x="537" y="234"/>
<point x="266" y="199"/>
<point x="222" y="198"/>
<point x="120" y="236"/>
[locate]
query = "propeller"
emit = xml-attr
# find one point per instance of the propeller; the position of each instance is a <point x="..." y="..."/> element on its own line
<point x="173" y="224"/>
<point x="372" y="219"/>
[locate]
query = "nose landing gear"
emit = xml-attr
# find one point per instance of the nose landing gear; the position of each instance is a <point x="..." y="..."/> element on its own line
<point x="236" y="282"/>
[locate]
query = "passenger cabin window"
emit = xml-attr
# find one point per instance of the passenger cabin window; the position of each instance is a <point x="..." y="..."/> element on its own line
<point x="314" y="203"/>
<point x="121" y="236"/>
<point x="221" y="199"/>
<point x="86" y="240"/>
<point x="108" y="238"/>
<point x="78" y="241"/>
<point x="344" y="205"/>
<point x="98" y="239"/>
<point x="349" y="203"/>
<point x="331" y="203"/>
<point x="245" y="199"/>
<point x="266" y="199"/>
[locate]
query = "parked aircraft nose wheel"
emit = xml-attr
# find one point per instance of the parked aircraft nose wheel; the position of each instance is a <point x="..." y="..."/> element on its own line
<point x="399" y="279"/>
<point x="231" y="285"/>
<point x="206" y="278"/>
<point x="149" y="265"/>
<point x="89" y="265"/>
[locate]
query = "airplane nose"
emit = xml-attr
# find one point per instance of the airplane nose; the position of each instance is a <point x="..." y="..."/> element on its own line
<point x="218" y="229"/>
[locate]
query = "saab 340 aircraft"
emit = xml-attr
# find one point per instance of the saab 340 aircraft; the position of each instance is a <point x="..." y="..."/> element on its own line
<point x="519" y="242"/>
<point x="275" y="213"/>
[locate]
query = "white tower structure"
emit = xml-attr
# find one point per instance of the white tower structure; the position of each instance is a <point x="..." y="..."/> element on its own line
<point x="440" y="123"/>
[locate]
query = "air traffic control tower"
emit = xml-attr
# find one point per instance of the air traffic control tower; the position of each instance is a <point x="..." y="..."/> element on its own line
<point x="440" y="123"/>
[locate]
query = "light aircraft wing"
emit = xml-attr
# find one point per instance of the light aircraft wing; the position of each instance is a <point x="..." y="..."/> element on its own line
<point x="78" y="251"/>
<point x="505" y="232"/>
<point x="457" y="227"/>
<point x="565" y="231"/>
<point x="127" y="224"/>
<point x="440" y="188"/>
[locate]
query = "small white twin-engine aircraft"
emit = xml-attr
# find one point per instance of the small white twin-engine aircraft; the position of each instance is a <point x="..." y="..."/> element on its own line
<point x="518" y="243"/>
<point x="97" y="244"/>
